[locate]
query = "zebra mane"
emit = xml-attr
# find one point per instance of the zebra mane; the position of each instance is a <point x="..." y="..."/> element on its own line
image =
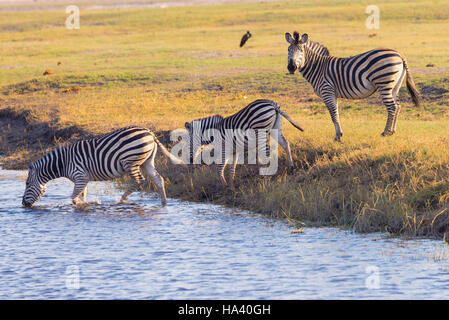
<point x="317" y="47"/>
<point x="39" y="162"/>
<point x="210" y="117"/>
<point x="207" y="122"/>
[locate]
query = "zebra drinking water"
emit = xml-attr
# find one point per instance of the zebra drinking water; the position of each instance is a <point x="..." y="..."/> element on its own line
<point x="357" y="77"/>
<point x="261" y="116"/>
<point x="126" y="150"/>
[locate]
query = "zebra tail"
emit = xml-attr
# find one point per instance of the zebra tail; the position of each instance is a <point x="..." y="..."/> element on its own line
<point x="297" y="126"/>
<point x="167" y="153"/>
<point x="411" y="87"/>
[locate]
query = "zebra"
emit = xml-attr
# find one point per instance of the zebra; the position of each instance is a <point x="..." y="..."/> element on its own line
<point x="126" y="150"/>
<point x="356" y="77"/>
<point x="260" y="115"/>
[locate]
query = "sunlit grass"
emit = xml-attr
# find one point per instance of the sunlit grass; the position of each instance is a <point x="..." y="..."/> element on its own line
<point x="162" y="67"/>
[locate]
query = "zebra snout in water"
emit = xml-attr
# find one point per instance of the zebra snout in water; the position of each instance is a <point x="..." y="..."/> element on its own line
<point x="25" y="204"/>
<point x="291" y="66"/>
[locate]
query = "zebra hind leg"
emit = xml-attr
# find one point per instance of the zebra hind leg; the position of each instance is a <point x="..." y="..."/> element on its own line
<point x="390" y="104"/>
<point x="396" y="99"/>
<point x="137" y="179"/>
<point x="286" y="146"/>
<point x="398" y="109"/>
<point x="156" y="178"/>
<point x="282" y="141"/>
<point x="232" y="171"/>
<point x="221" y="170"/>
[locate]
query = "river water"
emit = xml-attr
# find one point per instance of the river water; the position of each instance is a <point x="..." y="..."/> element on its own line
<point x="195" y="251"/>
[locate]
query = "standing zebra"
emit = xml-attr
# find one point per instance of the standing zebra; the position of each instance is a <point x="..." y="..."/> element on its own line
<point x="356" y="77"/>
<point x="126" y="150"/>
<point x="260" y="116"/>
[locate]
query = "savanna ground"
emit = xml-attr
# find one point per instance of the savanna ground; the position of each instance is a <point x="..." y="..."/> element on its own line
<point x="161" y="67"/>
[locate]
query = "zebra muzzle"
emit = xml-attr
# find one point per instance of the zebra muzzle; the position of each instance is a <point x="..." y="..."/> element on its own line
<point x="26" y="204"/>
<point x="291" y="67"/>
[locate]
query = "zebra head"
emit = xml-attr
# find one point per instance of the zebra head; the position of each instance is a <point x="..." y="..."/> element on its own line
<point x="296" y="55"/>
<point x="201" y="132"/>
<point x="35" y="187"/>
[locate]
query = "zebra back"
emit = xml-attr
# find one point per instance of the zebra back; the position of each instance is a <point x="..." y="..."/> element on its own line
<point x="259" y="114"/>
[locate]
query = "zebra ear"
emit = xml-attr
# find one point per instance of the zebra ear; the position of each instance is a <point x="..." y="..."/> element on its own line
<point x="289" y="38"/>
<point x="304" y="38"/>
<point x="187" y="125"/>
<point x="30" y="166"/>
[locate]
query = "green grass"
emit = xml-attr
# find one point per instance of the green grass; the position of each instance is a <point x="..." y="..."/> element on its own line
<point x="162" y="67"/>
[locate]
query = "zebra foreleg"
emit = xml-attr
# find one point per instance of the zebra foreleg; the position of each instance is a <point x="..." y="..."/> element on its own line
<point x="137" y="179"/>
<point x="83" y="194"/>
<point x="332" y="106"/>
<point x="232" y="171"/>
<point x="79" y="190"/>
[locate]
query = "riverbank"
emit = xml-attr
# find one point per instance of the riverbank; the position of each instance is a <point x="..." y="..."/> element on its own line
<point x="397" y="186"/>
<point x="160" y="68"/>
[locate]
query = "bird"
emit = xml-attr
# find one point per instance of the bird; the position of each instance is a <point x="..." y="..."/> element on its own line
<point x="245" y="38"/>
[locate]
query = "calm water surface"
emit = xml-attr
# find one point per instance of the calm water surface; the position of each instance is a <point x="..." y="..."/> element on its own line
<point x="195" y="251"/>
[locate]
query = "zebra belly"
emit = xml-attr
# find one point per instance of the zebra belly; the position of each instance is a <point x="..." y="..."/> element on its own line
<point x="94" y="176"/>
<point x="362" y="93"/>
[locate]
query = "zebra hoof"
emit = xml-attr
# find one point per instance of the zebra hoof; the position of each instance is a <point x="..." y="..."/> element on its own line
<point x="387" y="133"/>
<point x="81" y="205"/>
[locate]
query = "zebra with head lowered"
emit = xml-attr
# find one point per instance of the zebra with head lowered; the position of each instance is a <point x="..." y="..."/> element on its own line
<point x="357" y="77"/>
<point x="260" y="115"/>
<point x="124" y="151"/>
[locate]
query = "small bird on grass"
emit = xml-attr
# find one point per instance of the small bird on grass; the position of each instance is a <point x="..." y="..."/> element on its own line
<point x="245" y="38"/>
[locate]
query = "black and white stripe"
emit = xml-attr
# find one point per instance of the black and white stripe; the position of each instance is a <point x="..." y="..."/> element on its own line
<point x="260" y="116"/>
<point x="318" y="48"/>
<point x="124" y="151"/>
<point x="357" y="77"/>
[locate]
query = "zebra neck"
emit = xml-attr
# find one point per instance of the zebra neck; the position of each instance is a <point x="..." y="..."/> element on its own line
<point x="53" y="165"/>
<point x="208" y="135"/>
<point x="312" y="69"/>
<point x="212" y="128"/>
